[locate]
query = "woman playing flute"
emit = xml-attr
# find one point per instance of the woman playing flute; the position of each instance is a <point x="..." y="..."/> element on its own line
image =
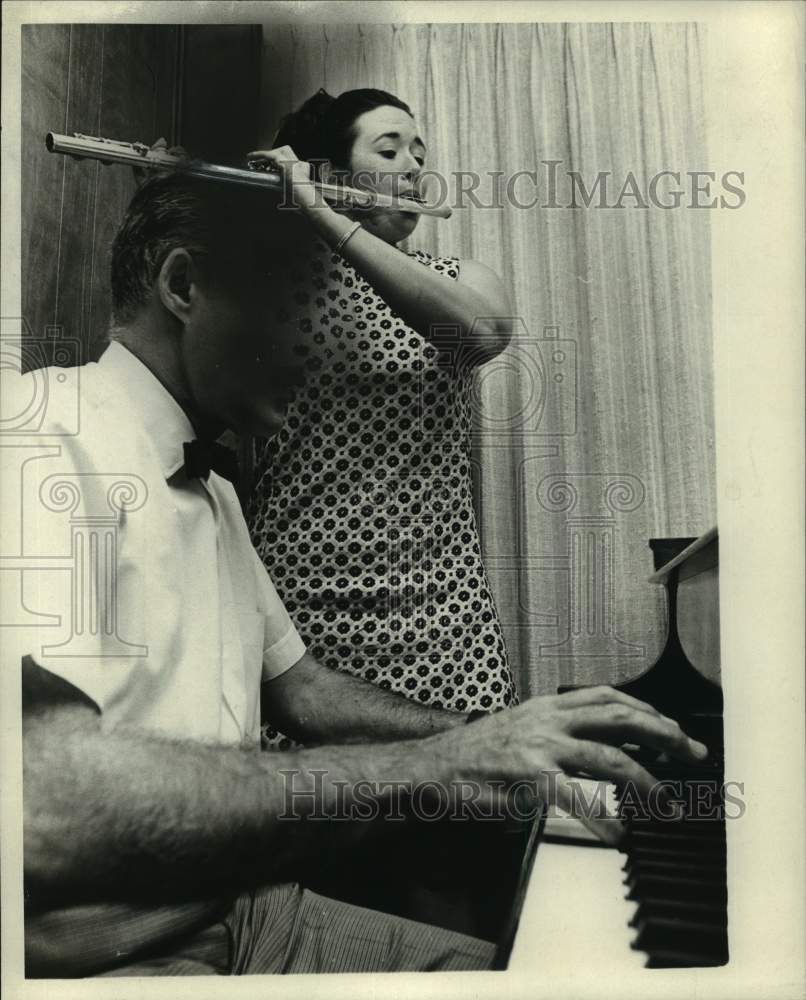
<point x="362" y="509"/>
<point x="362" y="506"/>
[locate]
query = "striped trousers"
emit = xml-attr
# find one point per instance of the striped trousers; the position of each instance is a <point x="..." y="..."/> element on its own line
<point x="281" y="929"/>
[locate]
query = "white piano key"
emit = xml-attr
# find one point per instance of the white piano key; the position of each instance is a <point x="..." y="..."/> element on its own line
<point x="575" y="907"/>
<point x="594" y="795"/>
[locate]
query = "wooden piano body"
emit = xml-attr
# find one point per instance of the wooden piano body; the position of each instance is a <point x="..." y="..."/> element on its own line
<point x="660" y="901"/>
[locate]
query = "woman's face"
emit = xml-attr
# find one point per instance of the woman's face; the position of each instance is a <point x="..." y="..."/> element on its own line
<point x="387" y="156"/>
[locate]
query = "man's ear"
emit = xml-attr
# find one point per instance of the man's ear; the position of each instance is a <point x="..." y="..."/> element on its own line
<point x="176" y="282"/>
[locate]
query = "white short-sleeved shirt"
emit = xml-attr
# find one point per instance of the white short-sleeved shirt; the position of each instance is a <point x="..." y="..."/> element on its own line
<point x="157" y="605"/>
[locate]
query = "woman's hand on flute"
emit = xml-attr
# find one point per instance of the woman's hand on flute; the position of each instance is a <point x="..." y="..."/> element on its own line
<point x="160" y="146"/>
<point x="295" y="172"/>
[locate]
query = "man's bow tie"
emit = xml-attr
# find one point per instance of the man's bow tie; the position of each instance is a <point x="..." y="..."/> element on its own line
<point x="202" y="456"/>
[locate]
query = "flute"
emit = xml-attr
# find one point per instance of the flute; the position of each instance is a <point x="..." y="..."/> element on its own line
<point x="138" y="154"/>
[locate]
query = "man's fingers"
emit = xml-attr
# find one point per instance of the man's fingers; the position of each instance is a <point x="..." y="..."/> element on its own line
<point x="608" y="763"/>
<point x="280" y="153"/>
<point x="617" y="724"/>
<point x="604" y="695"/>
<point x="587" y="810"/>
<point x="286" y="152"/>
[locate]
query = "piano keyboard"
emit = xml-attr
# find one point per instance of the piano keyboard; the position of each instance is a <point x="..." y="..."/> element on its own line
<point x="676" y="873"/>
<point x="658" y="901"/>
<point x="575" y="901"/>
<point x="575" y="907"/>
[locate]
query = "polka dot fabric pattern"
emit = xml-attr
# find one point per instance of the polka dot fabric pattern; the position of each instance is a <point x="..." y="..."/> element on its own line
<point x="362" y="509"/>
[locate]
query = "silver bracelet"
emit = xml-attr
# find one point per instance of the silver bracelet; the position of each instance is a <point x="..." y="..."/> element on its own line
<point x="337" y="248"/>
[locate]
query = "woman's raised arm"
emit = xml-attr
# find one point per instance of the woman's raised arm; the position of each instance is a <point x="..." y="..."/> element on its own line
<point x="473" y="311"/>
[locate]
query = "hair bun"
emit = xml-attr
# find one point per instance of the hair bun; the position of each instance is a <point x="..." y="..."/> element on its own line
<point x="319" y="103"/>
<point x="302" y="129"/>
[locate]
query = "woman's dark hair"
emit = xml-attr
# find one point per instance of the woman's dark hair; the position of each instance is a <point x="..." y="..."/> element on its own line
<point x="323" y="128"/>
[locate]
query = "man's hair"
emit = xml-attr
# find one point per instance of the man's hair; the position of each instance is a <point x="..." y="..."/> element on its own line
<point x="226" y="229"/>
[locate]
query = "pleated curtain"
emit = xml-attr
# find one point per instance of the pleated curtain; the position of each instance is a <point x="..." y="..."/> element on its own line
<point x="594" y="431"/>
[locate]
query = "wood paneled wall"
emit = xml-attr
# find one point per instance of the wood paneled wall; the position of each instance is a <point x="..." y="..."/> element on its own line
<point x="118" y="81"/>
<point x="197" y="86"/>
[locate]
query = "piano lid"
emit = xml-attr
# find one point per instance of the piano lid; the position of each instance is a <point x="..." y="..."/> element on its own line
<point x="684" y="680"/>
<point x="702" y="553"/>
<point x="694" y="576"/>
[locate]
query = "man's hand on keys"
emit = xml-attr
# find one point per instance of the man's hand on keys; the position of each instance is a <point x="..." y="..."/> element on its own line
<point x="549" y="740"/>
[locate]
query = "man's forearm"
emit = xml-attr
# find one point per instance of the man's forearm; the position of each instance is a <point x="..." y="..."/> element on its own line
<point x="314" y="704"/>
<point x="121" y="812"/>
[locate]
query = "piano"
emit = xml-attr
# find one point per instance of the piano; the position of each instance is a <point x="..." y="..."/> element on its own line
<point x="660" y="899"/>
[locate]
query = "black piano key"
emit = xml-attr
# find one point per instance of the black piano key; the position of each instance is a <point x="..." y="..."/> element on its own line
<point x="705" y="794"/>
<point x="706" y="727"/>
<point x="663" y="887"/>
<point x="665" y="933"/>
<point x="680" y="854"/>
<point x="668" y="958"/>
<point x="682" y="827"/>
<point x="690" y="874"/>
<point x="705" y="882"/>
<point x="704" y="872"/>
<point x="684" y="960"/>
<point x="715" y="855"/>
<point x="683" y="909"/>
<point x="673" y="838"/>
<point x="678" y="849"/>
<point x="661" y="768"/>
<point x="702" y="799"/>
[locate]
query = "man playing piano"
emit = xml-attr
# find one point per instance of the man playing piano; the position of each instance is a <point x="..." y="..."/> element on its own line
<point x="158" y="838"/>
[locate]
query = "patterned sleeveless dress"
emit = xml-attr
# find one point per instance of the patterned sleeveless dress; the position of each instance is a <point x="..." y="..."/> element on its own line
<point x="362" y="506"/>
